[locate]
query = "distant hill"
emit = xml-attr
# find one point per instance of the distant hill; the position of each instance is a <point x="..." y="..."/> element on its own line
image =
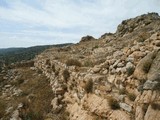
<point x="12" y="55"/>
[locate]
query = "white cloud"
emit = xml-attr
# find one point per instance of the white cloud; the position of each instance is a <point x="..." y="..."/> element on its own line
<point x="67" y="20"/>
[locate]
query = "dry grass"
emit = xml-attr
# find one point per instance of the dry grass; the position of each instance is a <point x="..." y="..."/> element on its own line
<point x="73" y="62"/>
<point x="2" y="108"/>
<point x="36" y="97"/>
<point x="88" y="63"/>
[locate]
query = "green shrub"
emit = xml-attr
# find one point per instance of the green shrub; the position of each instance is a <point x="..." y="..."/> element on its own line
<point x="73" y="62"/>
<point x="113" y="103"/>
<point x="131" y="96"/>
<point x="88" y="63"/>
<point x="89" y="86"/>
<point x="66" y="74"/>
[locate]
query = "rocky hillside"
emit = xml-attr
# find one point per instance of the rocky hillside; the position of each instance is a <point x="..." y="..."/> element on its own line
<point x="115" y="77"/>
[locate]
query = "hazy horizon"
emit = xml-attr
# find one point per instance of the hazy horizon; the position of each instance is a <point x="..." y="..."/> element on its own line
<point x="26" y="23"/>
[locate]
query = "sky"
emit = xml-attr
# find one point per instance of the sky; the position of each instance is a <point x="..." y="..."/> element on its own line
<point x="25" y="23"/>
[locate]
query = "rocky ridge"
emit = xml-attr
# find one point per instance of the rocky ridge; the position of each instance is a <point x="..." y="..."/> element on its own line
<point x="123" y="66"/>
<point x="115" y="77"/>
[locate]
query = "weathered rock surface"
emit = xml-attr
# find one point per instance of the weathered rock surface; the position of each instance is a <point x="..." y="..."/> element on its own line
<point x="143" y="66"/>
<point x="123" y="67"/>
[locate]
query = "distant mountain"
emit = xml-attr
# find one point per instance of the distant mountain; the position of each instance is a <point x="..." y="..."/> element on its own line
<point x="12" y="55"/>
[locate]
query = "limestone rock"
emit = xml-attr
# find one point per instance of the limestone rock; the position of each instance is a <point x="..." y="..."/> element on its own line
<point x="96" y="105"/>
<point x="125" y="107"/>
<point x="152" y="114"/>
<point x="111" y="78"/>
<point x="15" y="115"/>
<point x="55" y="105"/>
<point x="96" y="69"/>
<point x="143" y="66"/>
<point x="77" y="113"/>
<point x="155" y="67"/>
<point x="119" y="115"/>
<point x="150" y="85"/>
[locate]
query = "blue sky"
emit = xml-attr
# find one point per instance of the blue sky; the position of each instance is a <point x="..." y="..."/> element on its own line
<point x="26" y="23"/>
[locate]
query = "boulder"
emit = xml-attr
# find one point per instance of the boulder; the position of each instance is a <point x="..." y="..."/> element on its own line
<point x="55" y="105"/>
<point x="15" y="115"/>
<point x="150" y="85"/>
<point x="96" y="69"/>
<point x="78" y="113"/>
<point x="96" y="105"/>
<point x="126" y="107"/>
<point x="111" y="78"/>
<point x="155" y="68"/>
<point x="119" y="115"/>
<point x="143" y="66"/>
<point x="87" y="38"/>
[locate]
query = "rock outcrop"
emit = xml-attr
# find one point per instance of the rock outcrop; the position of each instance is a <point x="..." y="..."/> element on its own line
<point x="120" y="66"/>
<point x="115" y="77"/>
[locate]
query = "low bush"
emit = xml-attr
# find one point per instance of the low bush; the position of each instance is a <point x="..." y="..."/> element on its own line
<point x="88" y="63"/>
<point x="48" y="62"/>
<point x="73" y="62"/>
<point x="113" y="103"/>
<point x="66" y="74"/>
<point x="131" y="96"/>
<point x="89" y="86"/>
<point x="53" y="68"/>
<point x="39" y="71"/>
